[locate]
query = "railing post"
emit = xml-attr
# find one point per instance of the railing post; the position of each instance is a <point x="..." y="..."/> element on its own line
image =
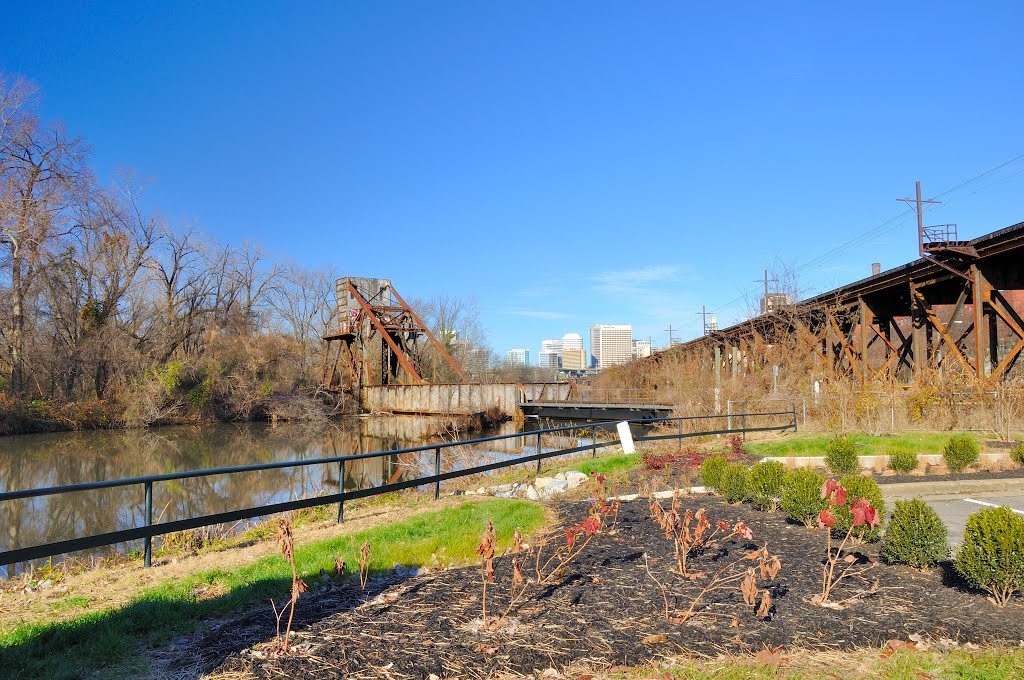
<point x="743" y="425"/>
<point x="437" y="472"/>
<point x="593" y="441"/>
<point x="148" y="549"/>
<point x="341" y="489"/>
<point x="794" y="417"/>
<point x="538" y="452"/>
<point x="680" y="434"/>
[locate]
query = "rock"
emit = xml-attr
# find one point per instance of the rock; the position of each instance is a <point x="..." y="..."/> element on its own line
<point x="554" y="488"/>
<point x="560" y="475"/>
<point x="532" y="493"/>
<point x="481" y="491"/>
<point x="575" y="478"/>
<point x="542" y="482"/>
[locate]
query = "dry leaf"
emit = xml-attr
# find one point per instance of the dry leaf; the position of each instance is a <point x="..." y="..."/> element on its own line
<point x="486" y="649"/>
<point x="769" y="657"/>
<point x="766" y="605"/>
<point x="749" y="588"/>
<point x="657" y="639"/>
<point x="735" y="623"/>
<point x="849" y="559"/>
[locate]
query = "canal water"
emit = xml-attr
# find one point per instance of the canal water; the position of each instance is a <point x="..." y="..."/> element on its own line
<point x="36" y="461"/>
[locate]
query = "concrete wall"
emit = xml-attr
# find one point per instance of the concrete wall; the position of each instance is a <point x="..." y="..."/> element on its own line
<point x="460" y="399"/>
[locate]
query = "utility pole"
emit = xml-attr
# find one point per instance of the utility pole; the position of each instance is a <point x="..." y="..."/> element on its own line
<point x="703" y="314"/>
<point x="669" y="329"/>
<point x="765" y="281"/>
<point x="919" y="206"/>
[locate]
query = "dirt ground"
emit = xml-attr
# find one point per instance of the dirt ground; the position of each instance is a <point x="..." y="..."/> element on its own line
<point x="604" y="609"/>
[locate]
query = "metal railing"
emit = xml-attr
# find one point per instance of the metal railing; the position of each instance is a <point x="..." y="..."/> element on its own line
<point x="151" y="529"/>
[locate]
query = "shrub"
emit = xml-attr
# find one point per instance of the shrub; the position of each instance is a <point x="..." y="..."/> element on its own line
<point x="733" y="483"/>
<point x="801" y="495"/>
<point x="916" y="535"/>
<point x="764" y="484"/>
<point x="992" y="555"/>
<point x="902" y="458"/>
<point x="858" y="486"/>
<point x="841" y="455"/>
<point x="1017" y="453"/>
<point x="711" y="471"/>
<point x="961" y="450"/>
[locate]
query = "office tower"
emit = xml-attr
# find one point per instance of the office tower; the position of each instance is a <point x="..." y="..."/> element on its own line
<point x="611" y="344"/>
<point x="518" y="357"/>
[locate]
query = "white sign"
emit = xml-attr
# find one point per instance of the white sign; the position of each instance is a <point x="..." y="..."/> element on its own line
<point x="626" y="437"/>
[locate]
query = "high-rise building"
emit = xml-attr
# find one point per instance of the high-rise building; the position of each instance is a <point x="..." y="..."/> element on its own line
<point x="611" y="344"/>
<point x="550" y="354"/>
<point x="574" y="359"/>
<point x="572" y="340"/>
<point x="518" y="357"/>
<point x="641" y="349"/>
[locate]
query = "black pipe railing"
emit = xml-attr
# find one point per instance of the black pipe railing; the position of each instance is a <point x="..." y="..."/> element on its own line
<point x="151" y="529"/>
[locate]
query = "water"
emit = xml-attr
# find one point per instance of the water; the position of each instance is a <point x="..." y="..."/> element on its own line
<point x="35" y="461"/>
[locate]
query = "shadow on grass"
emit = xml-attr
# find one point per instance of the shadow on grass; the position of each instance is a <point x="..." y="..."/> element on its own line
<point x="123" y="642"/>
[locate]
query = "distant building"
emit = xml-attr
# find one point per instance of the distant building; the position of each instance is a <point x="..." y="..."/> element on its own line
<point x="550" y="354"/>
<point x="518" y="357"/>
<point x="641" y="349"/>
<point x="611" y="344"/>
<point x="574" y="359"/>
<point x="571" y="341"/>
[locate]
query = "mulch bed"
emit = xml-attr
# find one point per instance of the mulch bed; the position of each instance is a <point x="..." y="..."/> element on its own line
<point x="605" y="610"/>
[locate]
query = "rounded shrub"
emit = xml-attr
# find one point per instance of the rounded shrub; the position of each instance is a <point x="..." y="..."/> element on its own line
<point x="733" y="483"/>
<point x="764" y="484"/>
<point x="992" y="555"/>
<point x="711" y="471"/>
<point x="916" y="535"/>
<point x="801" y="495"/>
<point x="1017" y="453"/>
<point x="859" y="486"/>
<point x="902" y="458"/>
<point x="961" y="450"/>
<point x="841" y="455"/>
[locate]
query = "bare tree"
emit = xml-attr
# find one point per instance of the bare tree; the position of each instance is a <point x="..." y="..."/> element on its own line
<point x="302" y="300"/>
<point x="42" y="176"/>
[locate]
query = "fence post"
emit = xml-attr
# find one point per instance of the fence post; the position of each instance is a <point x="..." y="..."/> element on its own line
<point x="148" y="550"/>
<point x="437" y="472"/>
<point x="743" y="425"/>
<point x="538" y="452"/>
<point x="728" y="412"/>
<point x="593" y="441"/>
<point x="680" y="434"/>
<point x="794" y="417"/>
<point x="341" y="488"/>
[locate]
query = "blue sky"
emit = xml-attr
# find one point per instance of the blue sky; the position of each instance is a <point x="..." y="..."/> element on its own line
<point x="566" y="163"/>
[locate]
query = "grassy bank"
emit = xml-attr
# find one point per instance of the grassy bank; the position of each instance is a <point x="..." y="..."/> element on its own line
<point x="113" y="641"/>
<point x="814" y="443"/>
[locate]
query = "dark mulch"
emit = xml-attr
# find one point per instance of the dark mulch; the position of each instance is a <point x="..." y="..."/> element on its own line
<point x="951" y="476"/>
<point x="606" y="609"/>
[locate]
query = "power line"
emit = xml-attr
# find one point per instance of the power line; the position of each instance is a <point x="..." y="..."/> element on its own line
<point x="895" y="219"/>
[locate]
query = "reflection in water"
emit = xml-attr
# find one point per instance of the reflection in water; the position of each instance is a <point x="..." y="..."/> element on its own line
<point x="35" y="461"/>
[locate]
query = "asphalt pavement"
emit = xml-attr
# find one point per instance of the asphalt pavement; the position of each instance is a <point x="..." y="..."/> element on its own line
<point x="955" y="511"/>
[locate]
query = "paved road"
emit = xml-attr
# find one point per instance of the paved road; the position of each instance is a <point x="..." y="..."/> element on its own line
<point x="954" y="512"/>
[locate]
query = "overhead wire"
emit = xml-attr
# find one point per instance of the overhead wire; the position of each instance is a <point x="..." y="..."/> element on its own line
<point x="895" y="219"/>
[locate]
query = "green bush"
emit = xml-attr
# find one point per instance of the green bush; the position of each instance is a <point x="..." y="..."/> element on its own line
<point x="841" y="455"/>
<point x="916" y="535"/>
<point x="733" y="483"/>
<point x="711" y="471"/>
<point x="859" y="486"/>
<point x="764" y="484"/>
<point x="1017" y="453"/>
<point x="992" y="555"/>
<point x="961" y="450"/>
<point x="801" y="495"/>
<point x="902" y="458"/>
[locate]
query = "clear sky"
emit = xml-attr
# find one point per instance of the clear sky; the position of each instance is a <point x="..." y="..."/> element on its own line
<point x="566" y="163"/>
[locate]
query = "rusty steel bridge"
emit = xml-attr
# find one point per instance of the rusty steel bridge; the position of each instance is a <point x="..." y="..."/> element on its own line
<point x="958" y="307"/>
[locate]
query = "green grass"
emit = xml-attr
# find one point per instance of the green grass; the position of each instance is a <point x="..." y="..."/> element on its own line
<point x="110" y="641"/>
<point x="602" y="465"/>
<point x="813" y="444"/>
<point x="982" y="664"/>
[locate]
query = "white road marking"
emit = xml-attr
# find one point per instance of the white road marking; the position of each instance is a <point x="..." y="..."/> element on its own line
<point x="991" y="505"/>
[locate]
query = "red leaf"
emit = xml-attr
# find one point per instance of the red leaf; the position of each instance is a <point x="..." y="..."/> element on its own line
<point x="826" y="518"/>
